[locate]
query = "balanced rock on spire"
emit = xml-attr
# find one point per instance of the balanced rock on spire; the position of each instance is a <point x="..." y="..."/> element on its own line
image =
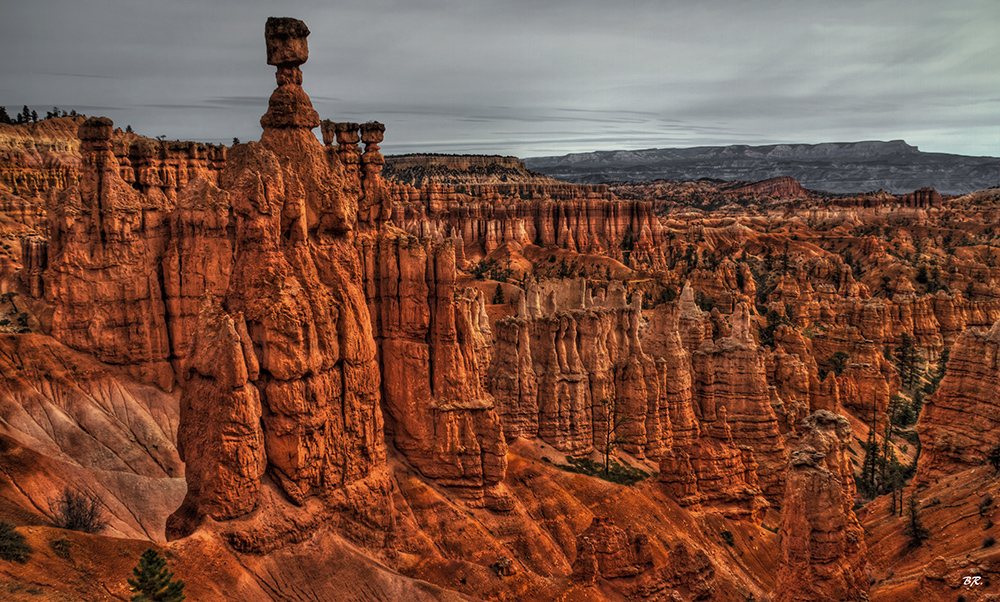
<point x="289" y="106"/>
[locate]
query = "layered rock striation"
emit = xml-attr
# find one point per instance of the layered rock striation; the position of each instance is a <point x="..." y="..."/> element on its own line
<point x="584" y="221"/>
<point x="731" y="373"/>
<point x="283" y="383"/>
<point x="434" y="341"/>
<point x="574" y="373"/>
<point x="960" y="422"/>
<point x="103" y="280"/>
<point x="822" y="543"/>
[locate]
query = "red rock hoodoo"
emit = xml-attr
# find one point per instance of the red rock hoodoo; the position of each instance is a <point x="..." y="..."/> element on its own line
<point x="309" y="366"/>
<point x="822" y="543"/>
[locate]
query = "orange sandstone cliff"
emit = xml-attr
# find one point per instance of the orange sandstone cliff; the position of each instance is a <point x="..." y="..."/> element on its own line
<point x="309" y="366"/>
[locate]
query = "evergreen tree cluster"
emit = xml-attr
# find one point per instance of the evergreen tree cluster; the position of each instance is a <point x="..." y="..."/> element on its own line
<point x="994" y="459"/>
<point x="881" y="471"/>
<point x="836" y="363"/>
<point x="492" y="270"/>
<point x="774" y="320"/>
<point x="915" y="529"/>
<point x="903" y="413"/>
<point x="28" y="115"/>
<point x="907" y="362"/>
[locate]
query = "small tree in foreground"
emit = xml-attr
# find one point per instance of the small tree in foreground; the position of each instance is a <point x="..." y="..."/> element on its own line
<point x="915" y="529"/>
<point x="152" y="582"/>
<point x="613" y="419"/>
<point x="77" y="512"/>
<point x="12" y="544"/>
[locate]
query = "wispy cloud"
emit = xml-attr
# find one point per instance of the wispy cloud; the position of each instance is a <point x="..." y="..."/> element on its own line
<point x="524" y="77"/>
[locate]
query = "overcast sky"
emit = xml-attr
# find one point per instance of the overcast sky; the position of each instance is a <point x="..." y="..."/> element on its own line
<point x="528" y="77"/>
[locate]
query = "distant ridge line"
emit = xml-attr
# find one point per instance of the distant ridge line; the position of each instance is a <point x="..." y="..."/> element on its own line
<point x="840" y="167"/>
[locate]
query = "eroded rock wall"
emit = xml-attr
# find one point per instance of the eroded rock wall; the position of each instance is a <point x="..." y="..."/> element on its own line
<point x="434" y="343"/>
<point x="731" y="373"/>
<point x="103" y="280"/>
<point x="283" y="384"/>
<point x="822" y="543"/>
<point x="574" y="219"/>
<point x="960" y="422"/>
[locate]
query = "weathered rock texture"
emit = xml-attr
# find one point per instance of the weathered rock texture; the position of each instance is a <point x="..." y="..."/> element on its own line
<point x="43" y="157"/>
<point x="784" y="187"/>
<point x="568" y="374"/>
<point x="578" y="219"/>
<point x="570" y="368"/>
<point x="40" y="157"/>
<point x="730" y="373"/>
<point x="434" y="342"/>
<point x="822" y="543"/>
<point x="607" y="551"/>
<point x="461" y="170"/>
<point x="960" y="422"/>
<point x="283" y="382"/>
<point x="69" y="421"/>
<point x="103" y="280"/>
<point x="336" y="377"/>
<point x="266" y="284"/>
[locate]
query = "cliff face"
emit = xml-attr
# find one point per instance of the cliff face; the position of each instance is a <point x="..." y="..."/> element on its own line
<point x="306" y="328"/>
<point x="463" y="170"/>
<point x="570" y="373"/>
<point x="434" y="342"/>
<point x="784" y="187"/>
<point x="959" y="424"/>
<point x="581" y="220"/>
<point x="283" y="380"/>
<point x="822" y="543"/>
<point x="566" y="369"/>
<point x="730" y="373"/>
<point x="102" y="233"/>
<point x="40" y="156"/>
<point x="47" y="156"/>
<point x="557" y="376"/>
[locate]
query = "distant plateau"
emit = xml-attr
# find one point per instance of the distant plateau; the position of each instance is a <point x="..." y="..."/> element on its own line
<point x="838" y="167"/>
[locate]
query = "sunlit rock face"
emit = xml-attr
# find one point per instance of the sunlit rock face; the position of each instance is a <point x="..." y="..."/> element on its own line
<point x="331" y="322"/>
<point x="283" y="386"/>
<point x="961" y="420"/>
<point x="822" y="543"/>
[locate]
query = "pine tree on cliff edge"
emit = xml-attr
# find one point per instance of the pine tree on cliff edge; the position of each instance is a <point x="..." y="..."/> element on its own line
<point x="152" y="582"/>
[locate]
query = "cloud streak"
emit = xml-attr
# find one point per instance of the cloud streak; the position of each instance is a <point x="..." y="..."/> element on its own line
<point x="528" y="78"/>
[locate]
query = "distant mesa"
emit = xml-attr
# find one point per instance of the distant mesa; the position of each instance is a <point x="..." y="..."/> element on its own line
<point x="784" y="187"/>
<point x="452" y="170"/>
<point x="839" y="167"/>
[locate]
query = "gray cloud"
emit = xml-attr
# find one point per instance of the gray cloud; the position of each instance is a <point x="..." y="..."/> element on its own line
<point x="529" y="78"/>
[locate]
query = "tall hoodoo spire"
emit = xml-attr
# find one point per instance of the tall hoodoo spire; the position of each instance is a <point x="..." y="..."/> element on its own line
<point x="287" y="49"/>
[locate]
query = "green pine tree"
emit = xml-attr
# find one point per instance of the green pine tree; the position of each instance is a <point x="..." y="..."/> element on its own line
<point x="907" y="358"/>
<point x="915" y="528"/>
<point x="152" y="582"/>
<point x="866" y="483"/>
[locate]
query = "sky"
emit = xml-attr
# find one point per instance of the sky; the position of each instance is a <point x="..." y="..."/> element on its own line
<point x="527" y="77"/>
